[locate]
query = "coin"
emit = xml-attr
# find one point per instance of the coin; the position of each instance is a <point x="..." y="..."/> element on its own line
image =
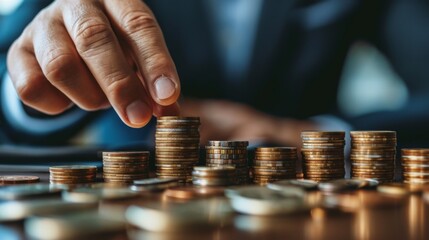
<point x="126" y="154"/>
<point x="18" y="179"/>
<point x="72" y="174"/>
<point x="73" y="168"/>
<point x="262" y="201"/>
<point x="28" y="191"/>
<point x="77" y="225"/>
<point x="323" y="155"/>
<point x="228" y="143"/>
<point x="228" y="153"/>
<point x="307" y="185"/>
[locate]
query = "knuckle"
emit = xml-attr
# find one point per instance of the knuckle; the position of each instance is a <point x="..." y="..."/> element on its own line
<point x="90" y="35"/>
<point x="57" y="67"/>
<point x="28" y="89"/>
<point x="137" y="21"/>
<point x="158" y="62"/>
<point x="118" y="86"/>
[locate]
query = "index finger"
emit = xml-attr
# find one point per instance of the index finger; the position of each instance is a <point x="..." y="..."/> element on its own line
<point x="98" y="46"/>
<point x="136" y="23"/>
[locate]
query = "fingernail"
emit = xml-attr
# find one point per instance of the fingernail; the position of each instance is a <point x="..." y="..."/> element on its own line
<point x="164" y="87"/>
<point x="136" y="112"/>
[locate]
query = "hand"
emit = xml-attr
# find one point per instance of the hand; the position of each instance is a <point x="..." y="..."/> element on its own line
<point x="223" y="120"/>
<point x="95" y="54"/>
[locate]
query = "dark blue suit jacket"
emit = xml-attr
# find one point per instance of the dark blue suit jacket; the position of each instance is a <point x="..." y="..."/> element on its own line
<point x="299" y="54"/>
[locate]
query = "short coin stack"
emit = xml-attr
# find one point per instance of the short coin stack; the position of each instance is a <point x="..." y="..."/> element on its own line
<point x="272" y="164"/>
<point x="124" y="167"/>
<point x="415" y="165"/>
<point x="373" y="155"/>
<point x="214" y="176"/>
<point x="323" y="155"/>
<point x="73" y="174"/>
<point x="177" y="142"/>
<point x="229" y="153"/>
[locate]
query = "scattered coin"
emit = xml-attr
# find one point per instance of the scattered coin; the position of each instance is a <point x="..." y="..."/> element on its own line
<point x="194" y="216"/>
<point x="263" y="201"/>
<point x="81" y="225"/>
<point x="18" y="179"/>
<point x="18" y="210"/>
<point x="340" y="185"/>
<point x="154" y="184"/>
<point x="190" y="192"/>
<point x="88" y="195"/>
<point x="305" y="184"/>
<point x="27" y="191"/>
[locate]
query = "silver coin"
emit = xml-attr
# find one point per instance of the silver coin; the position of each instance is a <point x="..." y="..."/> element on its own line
<point x="79" y="225"/>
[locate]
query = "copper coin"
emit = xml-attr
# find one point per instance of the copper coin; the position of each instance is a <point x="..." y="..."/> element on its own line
<point x="18" y="179"/>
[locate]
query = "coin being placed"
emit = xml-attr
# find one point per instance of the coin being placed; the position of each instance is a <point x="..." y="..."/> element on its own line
<point x="263" y="201"/>
<point x="154" y="184"/>
<point x="81" y="225"/>
<point x="18" y="210"/>
<point x="18" y="179"/>
<point x="28" y="191"/>
<point x="307" y="185"/>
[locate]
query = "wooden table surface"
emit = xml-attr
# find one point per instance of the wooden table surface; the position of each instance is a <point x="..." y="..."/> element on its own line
<point x="365" y="214"/>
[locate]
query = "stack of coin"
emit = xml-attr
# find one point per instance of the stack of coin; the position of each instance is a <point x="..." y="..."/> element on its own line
<point x="323" y="155"/>
<point x="73" y="174"/>
<point x="229" y="153"/>
<point x="415" y="165"/>
<point x="214" y="176"/>
<point x="373" y="155"/>
<point x="272" y="164"/>
<point x="125" y="167"/>
<point x="177" y="142"/>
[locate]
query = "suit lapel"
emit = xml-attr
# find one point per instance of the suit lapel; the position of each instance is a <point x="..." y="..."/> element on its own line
<point x="271" y="31"/>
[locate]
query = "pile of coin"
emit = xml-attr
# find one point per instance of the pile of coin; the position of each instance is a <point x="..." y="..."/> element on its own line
<point x="125" y="167"/>
<point x="323" y="155"/>
<point x="73" y="174"/>
<point x="214" y="176"/>
<point x="177" y="142"/>
<point x="373" y="155"/>
<point x="229" y="153"/>
<point x="415" y="165"/>
<point x="273" y="164"/>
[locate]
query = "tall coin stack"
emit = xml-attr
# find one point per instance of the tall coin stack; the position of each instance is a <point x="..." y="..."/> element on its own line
<point x="125" y="167"/>
<point x="214" y="176"/>
<point x="415" y="165"/>
<point x="73" y="174"/>
<point x="373" y="155"/>
<point x="273" y="164"/>
<point x="229" y="153"/>
<point x="177" y="143"/>
<point x="323" y="155"/>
